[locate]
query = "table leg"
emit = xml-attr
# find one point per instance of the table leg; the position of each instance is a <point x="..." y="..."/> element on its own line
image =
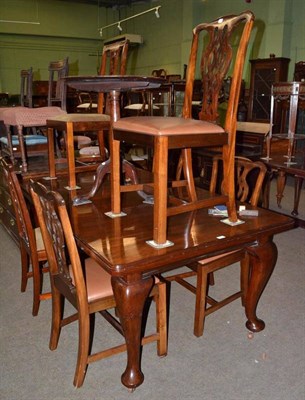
<point x="262" y="261"/>
<point x="69" y="139"/>
<point x="9" y="143"/>
<point x="51" y="153"/>
<point x="281" y="182"/>
<point x="130" y="300"/>
<point x="297" y="193"/>
<point x="266" y="189"/>
<point x="101" y="171"/>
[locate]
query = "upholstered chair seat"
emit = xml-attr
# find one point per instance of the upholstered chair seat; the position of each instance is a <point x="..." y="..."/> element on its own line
<point x="25" y="117"/>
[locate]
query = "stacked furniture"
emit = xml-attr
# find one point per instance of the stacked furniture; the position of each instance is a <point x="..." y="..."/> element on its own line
<point x="113" y="62"/>
<point x="184" y="133"/>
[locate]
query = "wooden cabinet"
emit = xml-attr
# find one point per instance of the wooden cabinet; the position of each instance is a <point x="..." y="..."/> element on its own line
<point x="264" y="72"/>
<point x="7" y="214"/>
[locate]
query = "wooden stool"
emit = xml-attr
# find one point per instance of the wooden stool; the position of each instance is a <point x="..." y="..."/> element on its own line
<point x="163" y="134"/>
<point x="69" y="124"/>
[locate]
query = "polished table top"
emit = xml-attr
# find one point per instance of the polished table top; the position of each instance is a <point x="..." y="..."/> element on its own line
<point x="106" y="83"/>
<point x="120" y="244"/>
<point x="194" y="234"/>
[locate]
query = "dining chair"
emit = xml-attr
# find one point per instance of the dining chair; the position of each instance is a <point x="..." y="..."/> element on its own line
<point x="56" y="87"/>
<point x="249" y="179"/>
<point x="26" y="87"/>
<point x="89" y="290"/>
<point x="141" y="102"/>
<point x="18" y="119"/>
<point x="22" y="145"/>
<point x="86" y="103"/>
<point x="159" y="73"/>
<point x="113" y="62"/>
<point x="166" y="133"/>
<point x="32" y="251"/>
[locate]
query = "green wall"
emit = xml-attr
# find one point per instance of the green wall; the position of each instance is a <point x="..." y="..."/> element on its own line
<point x="67" y="29"/>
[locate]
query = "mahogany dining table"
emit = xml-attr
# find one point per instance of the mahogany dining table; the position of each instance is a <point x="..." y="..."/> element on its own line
<point x="119" y="246"/>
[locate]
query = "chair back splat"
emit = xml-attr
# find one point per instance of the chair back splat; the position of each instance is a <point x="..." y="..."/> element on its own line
<point x="84" y="283"/>
<point x="32" y="251"/>
<point x="249" y="179"/>
<point x="113" y="62"/>
<point x="166" y="133"/>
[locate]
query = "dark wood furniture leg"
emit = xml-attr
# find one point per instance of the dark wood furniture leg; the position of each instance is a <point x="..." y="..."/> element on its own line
<point x="281" y="182"/>
<point x="130" y="299"/>
<point x="262" y="262"/>
<point x="51" y="153"/>
<point x="24" y="164"/>
<point x="298" y="182"/>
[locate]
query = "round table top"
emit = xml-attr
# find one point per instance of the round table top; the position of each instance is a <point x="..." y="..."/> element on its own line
<point x="106" y="83"/>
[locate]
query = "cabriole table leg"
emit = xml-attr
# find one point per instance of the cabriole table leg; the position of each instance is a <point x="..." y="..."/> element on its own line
<point x="262" y="261"/>
<point x="130" y="300"/>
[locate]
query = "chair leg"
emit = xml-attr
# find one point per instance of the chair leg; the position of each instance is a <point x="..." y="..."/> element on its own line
<point x="57" y="311"/>
<point x="101" y="143"/>
<point x="200" y="306"/>
<point x="185" y="165"/>
<point x="70" y="155"/>
<point x="10" y="144"/>
<point x="22" y="148"/>
<point x="211" y="279"/>
<point x="188" y="173"/>
<point x="25" y="266"/>
<point x="36" y="287"/>
<point x="160" y="189"/>
<point x="51" y="154"/>
<point x="161" y="320"/>
<point x="83" y="349"/>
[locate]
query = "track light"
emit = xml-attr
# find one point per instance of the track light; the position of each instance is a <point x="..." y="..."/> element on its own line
<point x="118" y="24"/>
